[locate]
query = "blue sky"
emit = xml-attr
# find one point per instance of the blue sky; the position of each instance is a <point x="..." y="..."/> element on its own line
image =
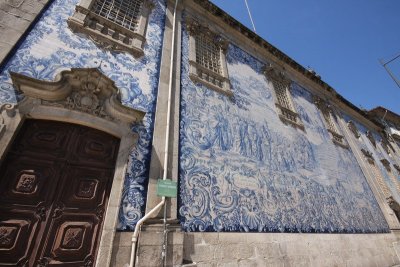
<point x="341" y="40"/>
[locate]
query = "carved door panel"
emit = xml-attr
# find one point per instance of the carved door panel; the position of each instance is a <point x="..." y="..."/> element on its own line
<point x="54" y="187"/>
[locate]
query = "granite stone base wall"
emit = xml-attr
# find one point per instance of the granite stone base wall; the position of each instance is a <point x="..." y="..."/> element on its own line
<point x="149" y="248"/>
<point x="259" y="249"/>
<point x="276" y="249"/>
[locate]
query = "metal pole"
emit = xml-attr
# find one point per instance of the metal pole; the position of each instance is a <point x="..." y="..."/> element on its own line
<point x="389" y="71"/>
<point x="251" y="19"/>
<point x="167" y="130"/>
<point x="164" y="246"/>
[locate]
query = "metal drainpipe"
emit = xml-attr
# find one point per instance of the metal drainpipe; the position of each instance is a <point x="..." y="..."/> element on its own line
<point x="162" y="203"/>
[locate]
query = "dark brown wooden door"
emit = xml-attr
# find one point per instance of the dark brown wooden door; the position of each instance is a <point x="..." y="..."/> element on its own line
<point x="54" y="188"/>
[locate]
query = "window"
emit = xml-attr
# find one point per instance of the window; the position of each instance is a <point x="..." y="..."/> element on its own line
<point x="371" y="138"/>
<point x="377" y="173"/>
<point x="125" y="13"/>
<point x="283" y="100"/>
<point x="114" y="24"/>
<point x="207" y="58"/>
<point x="353" y="129"/>
<point x="390" y="173"/>
<point x="389" y="149"/>
<point x="330" y="122"/>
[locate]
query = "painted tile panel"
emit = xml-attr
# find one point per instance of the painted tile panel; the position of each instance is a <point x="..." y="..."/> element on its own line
<point x="242" y="169"/>
<point x="378" y="154"/>
<point x="51" y="47"/>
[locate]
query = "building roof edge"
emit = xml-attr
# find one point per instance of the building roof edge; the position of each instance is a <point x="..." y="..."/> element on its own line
<point x="228" y="19"/>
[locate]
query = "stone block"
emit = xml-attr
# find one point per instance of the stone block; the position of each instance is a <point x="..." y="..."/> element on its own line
<point x="258" y="238"/>
<point x="228" y="264"/>
<point x="246" y="251"/>
<point x="149" y="256"/>
<point x="121" y="256"/>
<point x="198" y="253"/>
<point x="12" y="21"/>
<point x="210" y="238"/>
<point x="123" y="239"/>
<point x="248" y="263"/>
<point x="206" y="264"/>
<point x="151" y="238"/>
<point x="174" y="255"/>
<point x="297" y="261"/>
<point x="4" y="49"/>
<point x="226" y="252"/>
<point x="102" y="258"/>
<point x="269" y="250"/>
<point x="230" y="238"/>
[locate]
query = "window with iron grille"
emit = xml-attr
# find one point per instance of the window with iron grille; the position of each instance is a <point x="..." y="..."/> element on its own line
<point x="330" y="122"/>
<point x="118" y="25"/>
<point x="283" y="101"/>
<point x="123" y="12"/>
<point x="282" y="95"/>
<point x="208" y="54"/>
<point x="207" y="58"/>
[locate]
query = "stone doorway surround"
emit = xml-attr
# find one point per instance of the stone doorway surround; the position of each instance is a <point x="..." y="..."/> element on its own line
<point x="85" y="97"/>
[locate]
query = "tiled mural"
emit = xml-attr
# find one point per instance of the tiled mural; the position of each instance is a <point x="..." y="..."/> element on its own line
<point x="51" y="47"/>
<point x="242" y="169"/>
<point x="378" y="153"/>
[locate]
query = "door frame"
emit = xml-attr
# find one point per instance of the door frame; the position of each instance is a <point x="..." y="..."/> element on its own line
<point x="95" y="104"/>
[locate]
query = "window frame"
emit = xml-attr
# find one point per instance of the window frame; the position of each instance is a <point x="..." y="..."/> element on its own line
<point x="195" y="28"/>
<point x="332" y="125"/>
<point x="287" y="115"/>
<point x="108" y="34"/>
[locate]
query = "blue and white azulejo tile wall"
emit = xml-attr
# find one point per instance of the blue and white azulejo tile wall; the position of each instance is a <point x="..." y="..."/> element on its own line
<point x="378" y="153"/>
<point x="242" y="169"/>
<point x="51" y="47"/>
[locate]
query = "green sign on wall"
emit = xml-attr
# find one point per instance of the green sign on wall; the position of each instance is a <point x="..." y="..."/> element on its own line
<point x="167" y="188"/>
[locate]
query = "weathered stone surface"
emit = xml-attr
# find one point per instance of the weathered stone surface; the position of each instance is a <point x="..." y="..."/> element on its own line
<point x="15" y="18"/>
<point x="241" y="249"/>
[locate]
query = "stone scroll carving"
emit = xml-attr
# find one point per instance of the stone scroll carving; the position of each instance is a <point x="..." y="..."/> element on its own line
<point x="7" y="111"/>
<point x="371" y="138"/>
<point x="353" y="128"/>
<point x="275" y="73"/>
<point x="84" y="90"/>
<point x="368" y="156"/>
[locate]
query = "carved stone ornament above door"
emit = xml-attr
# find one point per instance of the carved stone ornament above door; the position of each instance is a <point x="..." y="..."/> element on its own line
<point x="85" y="90"/>
<point x="83" y="96"/>
<point x="79" y="96"/>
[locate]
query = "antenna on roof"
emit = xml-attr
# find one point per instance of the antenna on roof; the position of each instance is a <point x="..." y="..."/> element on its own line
<point x="251" y="18"/>
<point x="384" y="64"/>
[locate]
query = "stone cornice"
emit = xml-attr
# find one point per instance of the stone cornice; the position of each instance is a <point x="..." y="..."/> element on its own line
<point x="274" y="73"/>
<point x="85" y="90"/>
<point x="194" y="27"/>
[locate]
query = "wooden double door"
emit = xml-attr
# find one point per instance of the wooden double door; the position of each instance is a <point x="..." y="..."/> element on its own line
<point x="54" y="187"/>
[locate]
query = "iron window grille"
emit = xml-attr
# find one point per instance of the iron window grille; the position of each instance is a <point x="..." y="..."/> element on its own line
<point x="283" y="100"/>
<point x="118" y="25"/>
<point x="207" y="58"/>
<point x="330" y="122"/>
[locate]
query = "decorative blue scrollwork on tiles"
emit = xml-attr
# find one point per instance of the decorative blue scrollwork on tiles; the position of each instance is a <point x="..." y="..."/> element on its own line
<point x="242" y="169"/>
<point x="51" y="47"/>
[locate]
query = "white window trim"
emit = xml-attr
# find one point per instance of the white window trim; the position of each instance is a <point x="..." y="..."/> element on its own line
<point x="108" y="34"/>
<point x="194" y="28"/>
<point x="336" y="135"/>
<point x="275" y="76"/>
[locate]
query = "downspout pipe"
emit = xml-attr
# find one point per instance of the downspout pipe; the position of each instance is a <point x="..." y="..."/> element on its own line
<point x="158" y="207"/>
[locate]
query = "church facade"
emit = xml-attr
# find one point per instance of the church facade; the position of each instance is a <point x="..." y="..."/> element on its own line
<point x="100" y="99"/>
